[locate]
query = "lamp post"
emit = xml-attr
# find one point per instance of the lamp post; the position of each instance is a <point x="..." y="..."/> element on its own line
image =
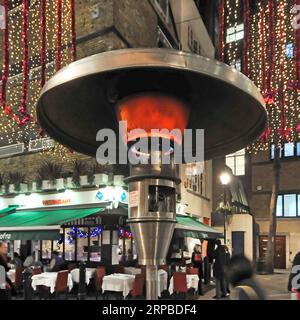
<point x="225" y="180"/>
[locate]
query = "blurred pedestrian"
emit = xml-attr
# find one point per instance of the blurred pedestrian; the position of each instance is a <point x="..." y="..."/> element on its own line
<point x="198" y="263"/>
<point x="296" y="262"/>
<point x="240" y="274"/>
<point x="5" y="293"/>
<point x="219" y="256"/>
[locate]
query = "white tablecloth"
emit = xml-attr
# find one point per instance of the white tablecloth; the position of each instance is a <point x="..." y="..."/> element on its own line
<point x="118" y="282"/>
<point x="48" y="279"/>
<point x="162" y="281"/>
<point x="11" y="274"/>
<point x="133" y="271"/>
<point x="90" y="273"/>
<point x="192" y="282"/>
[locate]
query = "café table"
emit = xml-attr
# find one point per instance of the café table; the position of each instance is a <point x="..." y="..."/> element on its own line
<point x="118" y="282"/>
<point x="192" y="282"/>
<point x="90" y="273"/>
<point x="48" y="279"/>
<point x="132" y="270"/>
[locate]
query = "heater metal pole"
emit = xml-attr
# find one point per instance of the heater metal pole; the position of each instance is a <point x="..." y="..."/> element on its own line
<point x="151" y="283"/>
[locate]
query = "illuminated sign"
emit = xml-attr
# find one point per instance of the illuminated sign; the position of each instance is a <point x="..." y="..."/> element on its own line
<point x="5" y="236"/>
<point x="56" y="202"/>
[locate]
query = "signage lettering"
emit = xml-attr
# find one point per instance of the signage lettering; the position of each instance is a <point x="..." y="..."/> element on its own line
<point x="56" y="202"/>
<point x="5" y="236"/>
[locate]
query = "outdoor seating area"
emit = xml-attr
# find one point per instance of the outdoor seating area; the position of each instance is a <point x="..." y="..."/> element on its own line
<point x="122" y="283"/>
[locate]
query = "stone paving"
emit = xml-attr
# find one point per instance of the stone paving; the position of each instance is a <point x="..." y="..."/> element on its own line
<point x="274" y="285"/>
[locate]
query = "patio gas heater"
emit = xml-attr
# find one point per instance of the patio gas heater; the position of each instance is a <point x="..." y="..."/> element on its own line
<point x="151" y="89"/>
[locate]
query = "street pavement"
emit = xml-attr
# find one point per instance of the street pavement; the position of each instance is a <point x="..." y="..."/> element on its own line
<point x="275" y="286"/>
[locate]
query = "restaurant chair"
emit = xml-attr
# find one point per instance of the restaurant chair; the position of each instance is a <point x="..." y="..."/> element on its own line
<point x="18" y="284"/>
<point x="119" y="269"/>
<point x="192" y="271"/>
<point x="138" y="286"/>
<point x="72" y="266"/>
<point x="36" y="270"/>
<point x="61" y="285"/>
<point x="100" y="273"/>
<point x="180" y="284"/>
<point x="164" y="267"/>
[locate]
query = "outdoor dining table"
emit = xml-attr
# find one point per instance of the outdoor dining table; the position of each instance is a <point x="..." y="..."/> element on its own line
<point x="90" y="273"/>
<point x="118" y="282"/>
<point x="192" y="281"/>
<point x="132" y="270"/>
<point x="48" y="279"/>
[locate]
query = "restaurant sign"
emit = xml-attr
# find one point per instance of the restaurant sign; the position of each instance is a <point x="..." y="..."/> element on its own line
<point x="5" y="236"/>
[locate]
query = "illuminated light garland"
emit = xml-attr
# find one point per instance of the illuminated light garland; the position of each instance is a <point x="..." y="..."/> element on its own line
<point x="73" y="29"/>
<point x="59" y="35"/>
<point x="222" y="29"/>
<point x="5" y="59"/>
<point x="270" y="35"/>
<point x="270" y="93"/>
<point x="43" y="42"/>
<point x="246" y="37"/>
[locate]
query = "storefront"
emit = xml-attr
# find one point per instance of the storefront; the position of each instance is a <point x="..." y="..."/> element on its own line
<point x="87" y="226"/>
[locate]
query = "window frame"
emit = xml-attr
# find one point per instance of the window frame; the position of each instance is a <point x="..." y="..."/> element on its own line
<point x="234" y="156"/>
<point x="283" y="216"/>
<point x="282" y="152"/>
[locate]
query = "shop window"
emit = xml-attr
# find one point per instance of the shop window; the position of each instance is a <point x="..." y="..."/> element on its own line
<point x="70" y="239"/>
<point x="46" y="249"/>
<point x="95" y="244"/>
<point x="298" y="149"/>
<point x="236" y="162"/>
<point x="82" y="244"/>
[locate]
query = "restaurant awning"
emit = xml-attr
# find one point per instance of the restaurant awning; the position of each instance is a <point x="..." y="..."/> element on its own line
<point x="189" y="227"/>
<point x="39" y="225"/>
<point x="7" y="210"/>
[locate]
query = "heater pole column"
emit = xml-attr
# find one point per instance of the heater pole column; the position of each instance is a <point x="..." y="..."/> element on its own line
<point x="151" y="283"/>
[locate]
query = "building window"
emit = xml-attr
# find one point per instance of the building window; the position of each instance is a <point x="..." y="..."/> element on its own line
<point x="236" y="64"/>
<point x="234" y="34"/>
<point x="236" y="162"/>
<point x="288" y="150"/>
<point x="288" y="205"/>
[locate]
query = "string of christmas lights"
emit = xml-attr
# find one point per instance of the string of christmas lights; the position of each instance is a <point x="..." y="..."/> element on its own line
<point x="271" y="59"/>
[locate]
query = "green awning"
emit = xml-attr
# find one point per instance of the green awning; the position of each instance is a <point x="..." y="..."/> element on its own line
<point x="7" y="210"/>
<point x="190" y="227"/>
<point x="39" y="225"/>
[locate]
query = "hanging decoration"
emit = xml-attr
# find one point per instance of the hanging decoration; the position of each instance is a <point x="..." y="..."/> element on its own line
<point x="271" y="57"/>
<point x="222" y="29"/>
<point x="43" y="42"/>
<point x="59" y="35"/>
<point x="5" y="66"/>
<point x="246" y="37"/>
<point x="270" y="93"/>
<point x="73" y="28"/>
<point x="295" y="84"/>
<point x="25" y="65"/>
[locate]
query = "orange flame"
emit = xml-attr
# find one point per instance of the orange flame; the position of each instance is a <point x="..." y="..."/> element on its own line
<point x="153" y="111"/>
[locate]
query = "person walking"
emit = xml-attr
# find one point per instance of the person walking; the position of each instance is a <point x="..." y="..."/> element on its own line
<point x="5" y="294"/>
<point x="198" y="263"/>
<point x="240" y="274"/>
<point x="296" y="262"/>
<point x="219" y="256"/>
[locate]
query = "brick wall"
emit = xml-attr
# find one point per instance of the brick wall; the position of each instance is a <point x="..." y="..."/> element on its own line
<point x="121" y="24"/>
